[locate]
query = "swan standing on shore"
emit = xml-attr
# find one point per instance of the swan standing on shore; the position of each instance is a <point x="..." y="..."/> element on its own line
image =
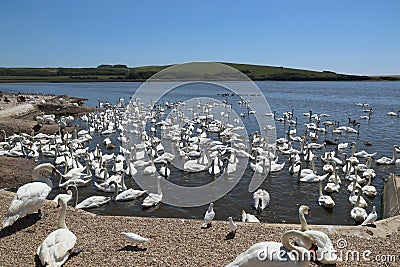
<point x="31" y="196"/>
<point x="57" y="247"/>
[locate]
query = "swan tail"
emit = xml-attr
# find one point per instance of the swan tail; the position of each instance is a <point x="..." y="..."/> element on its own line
<point x="10" y="220"/>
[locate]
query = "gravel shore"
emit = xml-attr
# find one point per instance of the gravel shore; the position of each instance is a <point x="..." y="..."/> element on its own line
<point x="177" y="242"/>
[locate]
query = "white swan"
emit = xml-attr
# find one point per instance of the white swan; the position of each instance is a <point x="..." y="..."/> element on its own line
<point x="247" y="217"/>
<point x="311" y="178"/>
<point x="105" y="186"/>
<point x="164" y="170"/>
<point x="208" y="216"/>
<point x="150" y="169"/>
<point x="92" y="202"/>
<point x="57" y="247"/>
<point x="324" y="200"/>
<point x="358" y="214"/>
<point x="276" y="253"/>
<point x="333" y="185"/>
<point x="153" y="199"/>
<point x="325" y="252"/>
<point x="388" y="161"/>
<point x="31" y="196"/>
<point x="357" y="199"/>
<point x="214" y="168"/>
<point x="261" y="199"/>
<point x="126" y="195"/>
<point x="369" y="190"/>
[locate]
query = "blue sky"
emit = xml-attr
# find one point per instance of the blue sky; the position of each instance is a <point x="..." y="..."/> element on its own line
<point x="345" y="36"/>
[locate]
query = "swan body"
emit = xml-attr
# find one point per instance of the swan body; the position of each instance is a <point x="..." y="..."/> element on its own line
<point x="261" y="199"/>
<point x="31" y="196"/>
<point x="153" y="199"/>
<point x="358" y="214"/>
<point x="312" y="178"/>
<point x="324" y="200"/>
<point x="55" y="249"/>
<point x="126" y="195"/>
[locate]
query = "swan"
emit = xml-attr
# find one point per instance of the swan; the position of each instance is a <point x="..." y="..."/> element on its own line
<point x="31" y="196"/>
<point x="208" y="216"/>
<point x="357" y="199"/>
<point x="91" y="202"/>
<point x="261" y="199"/>
<point x="247" y="217"/>
<point x="150" y="169"/>
<point x="153" y="199"/>
<point x="333" y="184"/>
<point x="305" y="172"/>
<point x="388" y="161"/>
<point x="134" y="238"/>
<point x="277" y="253"/>
<point x="126" y="195"/>
<point x="105" y="186"/>
<point x="259" y="167"/>
<point x="325" y="250"/>
<point x="369" y="190"/>
<point x="164" y="170"/>
<point x="214" y="168"/>
<point x="324" y="200"/>
<point x="371" y="217"/>
<point x="311" y="178"/>
<point x="229" y="167"/>
<point x="358" y="213"/>
<point x="56" y="248"/>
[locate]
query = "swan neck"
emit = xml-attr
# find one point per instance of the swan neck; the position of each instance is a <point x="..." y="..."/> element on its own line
<point x="36" y="176"/>
<point x="303" y="222"/>
<point x="61" y="221"/>
<point x="320" y="188"/>
<point x="158" y="187"/>
<point x="295" y="234"/>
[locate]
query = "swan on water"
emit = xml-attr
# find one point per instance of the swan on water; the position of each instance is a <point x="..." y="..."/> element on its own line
<point x="153" y="199"/>
<point x="126" y="195"/>
<point x="325" y="200"/>
<point x="31" y="196"/>
<point x="247" y="217"/>
<point x="261" y="199"/>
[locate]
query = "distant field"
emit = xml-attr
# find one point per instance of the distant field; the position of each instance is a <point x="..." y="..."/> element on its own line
<point x="108" y="73"/>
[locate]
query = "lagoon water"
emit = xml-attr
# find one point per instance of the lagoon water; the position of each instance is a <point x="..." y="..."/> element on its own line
<point x="338" y="99"/>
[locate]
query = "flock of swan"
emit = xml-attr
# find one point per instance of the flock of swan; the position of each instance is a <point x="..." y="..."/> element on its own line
<point x="192" y="148"/>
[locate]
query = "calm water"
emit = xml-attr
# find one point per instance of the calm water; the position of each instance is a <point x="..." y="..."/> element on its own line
<point x="337" y="99"/>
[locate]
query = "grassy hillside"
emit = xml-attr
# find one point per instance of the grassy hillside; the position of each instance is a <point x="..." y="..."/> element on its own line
<point x="108" y="73"/>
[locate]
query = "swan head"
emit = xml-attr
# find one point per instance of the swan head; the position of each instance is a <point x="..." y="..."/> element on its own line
<point x="305" y="210"/>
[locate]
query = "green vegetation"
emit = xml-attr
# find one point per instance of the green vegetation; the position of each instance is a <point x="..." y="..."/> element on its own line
<point x="120" y="72"/>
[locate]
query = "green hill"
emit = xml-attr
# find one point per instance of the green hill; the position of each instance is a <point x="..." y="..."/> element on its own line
<point x="109" y="73"/>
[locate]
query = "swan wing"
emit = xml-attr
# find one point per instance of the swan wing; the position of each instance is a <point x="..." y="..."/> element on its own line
<point x="28" y="198"/>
